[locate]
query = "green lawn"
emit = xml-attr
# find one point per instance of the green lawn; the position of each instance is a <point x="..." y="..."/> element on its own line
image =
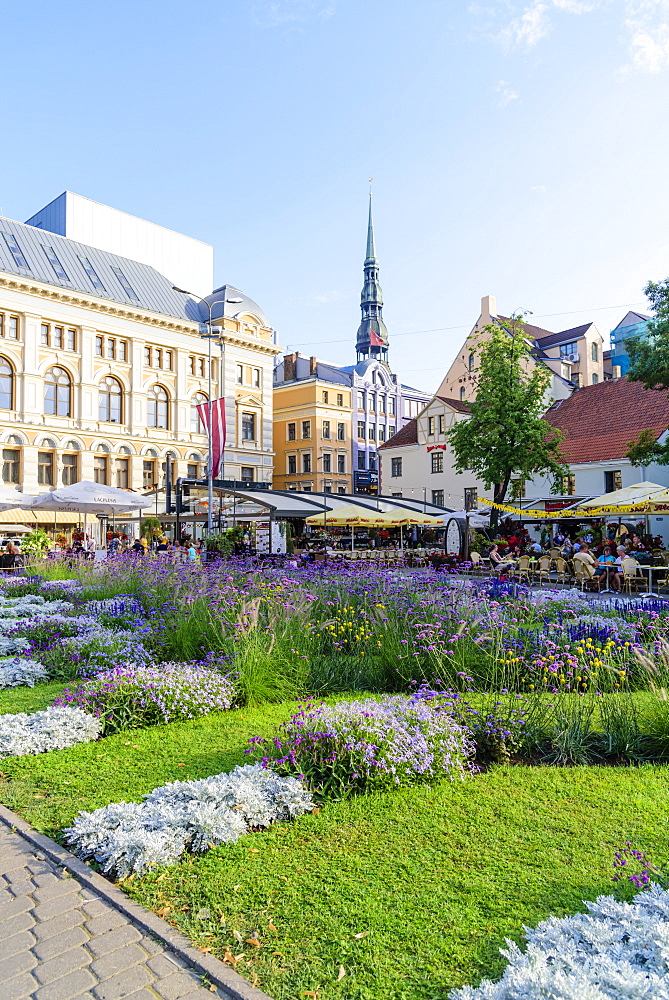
<point x="410" y="892"/>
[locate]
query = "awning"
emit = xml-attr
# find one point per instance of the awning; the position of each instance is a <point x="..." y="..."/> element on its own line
<point x="39" y="517"/>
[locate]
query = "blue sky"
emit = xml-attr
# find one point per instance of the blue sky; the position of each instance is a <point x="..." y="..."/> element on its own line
<point x="517" y="148"/>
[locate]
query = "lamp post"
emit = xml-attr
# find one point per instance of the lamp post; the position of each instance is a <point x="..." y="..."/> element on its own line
<point x="209" y="337"/>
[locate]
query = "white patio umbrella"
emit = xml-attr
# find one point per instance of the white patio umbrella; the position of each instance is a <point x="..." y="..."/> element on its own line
<point x="91" y="498"/>
<point x="13" y="500"/>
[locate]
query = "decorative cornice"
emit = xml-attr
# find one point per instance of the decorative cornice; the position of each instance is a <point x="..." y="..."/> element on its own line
<point x="99" y="305"/>
<point x="263" y="347"/>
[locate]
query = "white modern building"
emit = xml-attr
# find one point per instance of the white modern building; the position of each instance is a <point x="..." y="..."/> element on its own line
<point x="188" y="263"/>
<point x="416" y="464"/>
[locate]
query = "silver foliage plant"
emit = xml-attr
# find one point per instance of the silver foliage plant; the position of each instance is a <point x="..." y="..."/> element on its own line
<point x="52" y="729"/>
<point x="615" y="951"/>
<point x="17" y="672"/>
<point x="13" y="644"/>
<point x="28" y="605"/>
<point x="128" y="837"/>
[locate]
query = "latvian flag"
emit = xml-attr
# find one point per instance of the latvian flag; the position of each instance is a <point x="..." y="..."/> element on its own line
<point x="217" y="432"/>
<point x="374" y="338"/>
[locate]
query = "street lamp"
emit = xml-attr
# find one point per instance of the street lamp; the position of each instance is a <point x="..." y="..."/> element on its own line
<point x="209" y="337"/>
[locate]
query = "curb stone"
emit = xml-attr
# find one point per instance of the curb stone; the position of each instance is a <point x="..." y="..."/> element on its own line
<point x="231" y="984"/>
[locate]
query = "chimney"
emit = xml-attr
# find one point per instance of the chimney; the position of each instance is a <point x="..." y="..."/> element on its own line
<point x="488" y="309"/>
<point x="289" y="365"/>
<point x="313" y="363"/>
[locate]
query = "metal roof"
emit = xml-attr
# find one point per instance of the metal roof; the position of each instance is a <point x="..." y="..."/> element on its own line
<point x="382" y="503"/>
<point x="290" y="503"/>
<point x="223" y="304"/>
<point x="131" y="284"/>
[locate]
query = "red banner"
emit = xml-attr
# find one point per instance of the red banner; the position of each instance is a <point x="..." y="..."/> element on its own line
<point x="218" y="432"/>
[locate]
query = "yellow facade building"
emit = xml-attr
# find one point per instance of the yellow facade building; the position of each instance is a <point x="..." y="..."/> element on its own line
<point x="312" y="426"/>
<point x="102" y="365"/>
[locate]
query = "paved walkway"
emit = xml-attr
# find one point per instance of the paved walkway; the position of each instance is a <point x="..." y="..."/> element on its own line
<point x="68" y="934"/>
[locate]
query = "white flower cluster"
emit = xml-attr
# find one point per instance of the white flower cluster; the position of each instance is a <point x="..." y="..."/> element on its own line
<point x="127" y="837"/>
<point x="616" y="951"/>
<point x="52" y="729"/>
<point x="17" y="672"/>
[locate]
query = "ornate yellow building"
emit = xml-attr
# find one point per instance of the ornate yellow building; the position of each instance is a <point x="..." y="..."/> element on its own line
<point x="312" y="426"/>
<point x="102" y="364"/>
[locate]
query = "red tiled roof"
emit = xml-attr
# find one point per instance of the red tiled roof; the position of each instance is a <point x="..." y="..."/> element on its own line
<point x="600" y="420"/>
<point x="405" y="435"/>
<point x="457" y="404"/>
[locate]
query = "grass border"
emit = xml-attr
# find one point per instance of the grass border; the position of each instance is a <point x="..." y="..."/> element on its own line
<point x="233" y="986"/>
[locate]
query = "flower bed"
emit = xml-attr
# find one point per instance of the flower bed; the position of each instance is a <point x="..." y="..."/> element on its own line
<point x="52" y="729"/>
<point x="127" y="837"/>
<point x="615" y="951"/>
<point x="361" y="745"/>
<point x="132" y="697"/>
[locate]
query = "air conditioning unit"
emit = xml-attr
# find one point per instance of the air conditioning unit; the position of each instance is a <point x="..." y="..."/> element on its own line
<point x="571" y="358"/>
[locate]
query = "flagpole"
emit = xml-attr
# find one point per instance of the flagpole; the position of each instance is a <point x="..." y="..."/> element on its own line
<point x="210" y="461"/>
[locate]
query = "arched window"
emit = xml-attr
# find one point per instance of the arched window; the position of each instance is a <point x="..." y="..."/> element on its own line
<point x="471" y="362"/>
<point x="110" y="401"/>
<point x="6" y="385"/>
<point x="196" y="424"/>
<point x="57" y="393"/>
<point x="462" y="393"/>
<point x="157" y="409"/>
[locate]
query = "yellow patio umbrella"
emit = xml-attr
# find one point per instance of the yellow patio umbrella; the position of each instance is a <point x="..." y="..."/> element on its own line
<point x="343" y="516"/>
<point x="348" y="514"/>
<point x="399" y="517"/>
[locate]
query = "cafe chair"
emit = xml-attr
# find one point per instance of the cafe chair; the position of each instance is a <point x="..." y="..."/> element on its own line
<point x="543" y="570"/>
<point x="583" y="573"/>
<point x="564" y="572"/>
<point x="633" y="577"/>
<point x="524" y="569"/>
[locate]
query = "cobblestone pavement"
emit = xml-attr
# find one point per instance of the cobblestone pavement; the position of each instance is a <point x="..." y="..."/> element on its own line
<point x="60" y="940"/>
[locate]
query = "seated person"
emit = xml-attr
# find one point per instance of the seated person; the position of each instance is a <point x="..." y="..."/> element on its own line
<point x="584" y="556"/>
<point x="605" y="562"/>
<point x="642" y="555"/>
<point x="498" y="563"/>
<point x="567" y="549"/>
<point x="617" y="580"/>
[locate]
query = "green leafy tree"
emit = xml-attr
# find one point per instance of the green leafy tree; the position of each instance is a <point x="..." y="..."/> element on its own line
<point x="649" y="364"/>
<point x="506" y="434"/>
<point x="646" y="449"/>
<point x="36" y="543"/>
<point x="649" y="356"/>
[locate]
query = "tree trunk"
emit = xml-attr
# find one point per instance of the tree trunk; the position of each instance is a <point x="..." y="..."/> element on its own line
<point x="498" y="496"/>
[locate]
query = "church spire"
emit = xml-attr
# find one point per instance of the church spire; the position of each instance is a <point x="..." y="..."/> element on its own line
<point x="372" y="338"/>
<point x="371" y="249"/>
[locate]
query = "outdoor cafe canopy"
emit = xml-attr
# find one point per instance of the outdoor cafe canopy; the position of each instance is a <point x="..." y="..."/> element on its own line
<point x="347" y="516"/>
<point x="398" y="518"/>
<point x="638" y="495"/>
